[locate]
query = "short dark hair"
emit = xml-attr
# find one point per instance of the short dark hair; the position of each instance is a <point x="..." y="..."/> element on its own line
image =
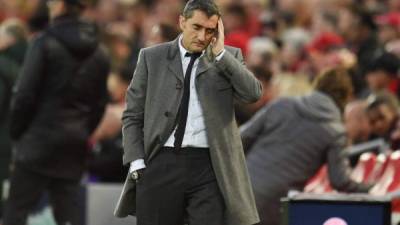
<point x="336" y="83"/>
<point x="382" y="98"/>
<point x="237" y="10"/>
<point x="386" y="62"/>
<point x="365" y="17"/>
<point x="168" y="32"/>
<point x="74" y="7"/>
<point x="207" y="6"/>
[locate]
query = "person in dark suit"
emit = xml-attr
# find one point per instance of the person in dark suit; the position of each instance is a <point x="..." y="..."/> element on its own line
<point x="58" y="101"/>
<point x="180" y="135"/>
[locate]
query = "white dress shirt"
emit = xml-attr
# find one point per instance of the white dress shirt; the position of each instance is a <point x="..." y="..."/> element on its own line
<point x="195" y="131"/>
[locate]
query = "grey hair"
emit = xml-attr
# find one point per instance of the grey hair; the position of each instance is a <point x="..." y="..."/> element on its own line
<point x="207" y="6"/>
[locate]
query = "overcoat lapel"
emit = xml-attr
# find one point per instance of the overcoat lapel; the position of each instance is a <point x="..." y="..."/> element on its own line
<point x="205" y="62"/>
<point x="175" y="63"/>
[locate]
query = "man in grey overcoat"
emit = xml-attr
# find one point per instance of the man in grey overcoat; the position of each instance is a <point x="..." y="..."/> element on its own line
<point x="179" y="131"/>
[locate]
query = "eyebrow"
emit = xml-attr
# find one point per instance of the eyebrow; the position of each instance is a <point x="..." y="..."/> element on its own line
<point x="198" y="25"/>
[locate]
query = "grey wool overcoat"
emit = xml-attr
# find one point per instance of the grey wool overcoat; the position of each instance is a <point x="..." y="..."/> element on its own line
<point x="153" y="98"/>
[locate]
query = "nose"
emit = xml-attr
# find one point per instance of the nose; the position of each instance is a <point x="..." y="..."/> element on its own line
<point x="201" y="35"/>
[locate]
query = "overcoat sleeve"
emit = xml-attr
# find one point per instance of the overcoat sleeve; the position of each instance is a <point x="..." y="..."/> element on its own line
<point x="246" y="87"/>
<point x="339" y="168"/>
<point x="133" y="116"/>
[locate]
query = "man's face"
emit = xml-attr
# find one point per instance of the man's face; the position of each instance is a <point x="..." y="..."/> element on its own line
<point x="198" y="30"/>
<point x="378" y="80"/>
<point x="386" y="34"/>
<point x="381" y="119"/>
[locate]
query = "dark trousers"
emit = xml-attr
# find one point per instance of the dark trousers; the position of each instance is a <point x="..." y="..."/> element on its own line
<point x="26" y="190"/>
<point x="179" y="187"/>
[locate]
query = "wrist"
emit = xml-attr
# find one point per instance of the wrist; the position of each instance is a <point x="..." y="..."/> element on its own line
<point x="136" y="174"/>
<point x="218" y="52"/>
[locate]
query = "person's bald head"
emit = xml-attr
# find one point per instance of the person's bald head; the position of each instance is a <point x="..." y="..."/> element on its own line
<point x="356" y="121"/>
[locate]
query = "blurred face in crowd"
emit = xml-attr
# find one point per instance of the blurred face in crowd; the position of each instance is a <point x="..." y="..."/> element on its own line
<point x="378" y="80"/>
<point x="394" y="5"/>
<point x="381" y="119"/>
<point x="356" y="122"/>
<point x="347" y="24"/>
<point x="387" y="33"/>
<point x="116" y="87"/>
<point x="56" y="8"/>
<point x="198" y="30"/>
<point x="320" y="60"/>
<point x="155" y="36"/>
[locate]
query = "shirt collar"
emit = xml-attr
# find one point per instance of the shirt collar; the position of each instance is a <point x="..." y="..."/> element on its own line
<point x="183" y="50"/>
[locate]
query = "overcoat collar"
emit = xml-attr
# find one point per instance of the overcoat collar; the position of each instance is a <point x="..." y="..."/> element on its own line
<point x="175" y="65"/>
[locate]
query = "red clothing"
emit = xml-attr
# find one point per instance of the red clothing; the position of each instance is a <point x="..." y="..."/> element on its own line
<point x="238" y="39"/>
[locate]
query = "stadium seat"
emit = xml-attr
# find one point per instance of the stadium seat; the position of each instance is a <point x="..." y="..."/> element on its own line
<point x="319" y="183"/>
<point x="364" y="167"/>
<point x="379" y="168"/>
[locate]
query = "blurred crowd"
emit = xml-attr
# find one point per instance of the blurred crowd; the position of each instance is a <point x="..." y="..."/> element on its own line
<point x="286" y="44"/>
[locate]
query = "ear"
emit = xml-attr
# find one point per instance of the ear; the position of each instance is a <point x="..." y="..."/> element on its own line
<point x="182" y="22"/>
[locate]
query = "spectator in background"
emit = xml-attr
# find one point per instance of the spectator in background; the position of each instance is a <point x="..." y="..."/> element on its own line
<point x="270" y="26"/>
<point x="295" y="12"/>
<point x="263" y="52"/>
<point x="292" y="54"/>
<point x="39" y="19"/>
<point x="324" y="22"/>
<point x="393" y="5"/>
<point x="288" y="140"/>
<point x="105" y="162"/>
<point x="357" y="27"/>
<point x="388" y="27"/>
<point x="235" y="22"/>
<point x="382" y="73"/>
<point x="394" y="47"/>
<point x="110" y="125"/>
<point x="356" y="122"/>
<point x="59" y="99"/>
<point x="162" y="33"/>
<point x="254" y="10"/>
<point x="13" y="43"/>
<point x="290" y="85"/>
<point x="383" y="115"/>
<point x="322" y="53"/>
<point x="243" y="112"/>
<point x="119" y="46"/>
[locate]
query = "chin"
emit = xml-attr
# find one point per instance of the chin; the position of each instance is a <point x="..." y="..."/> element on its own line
<point x="197" y="49"/>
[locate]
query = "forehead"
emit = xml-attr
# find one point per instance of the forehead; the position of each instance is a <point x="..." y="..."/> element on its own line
<point x="380" y="111"/>
<point x="200" y="18"/>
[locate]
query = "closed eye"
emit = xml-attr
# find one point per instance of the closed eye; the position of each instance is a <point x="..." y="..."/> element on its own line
<point x="210" y="31"/>
<point x="196" y="27"/>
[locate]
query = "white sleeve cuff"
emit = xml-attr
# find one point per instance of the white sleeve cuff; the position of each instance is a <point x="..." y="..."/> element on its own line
<point x="219" y="56"/>
<point x="137" y="165"/>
